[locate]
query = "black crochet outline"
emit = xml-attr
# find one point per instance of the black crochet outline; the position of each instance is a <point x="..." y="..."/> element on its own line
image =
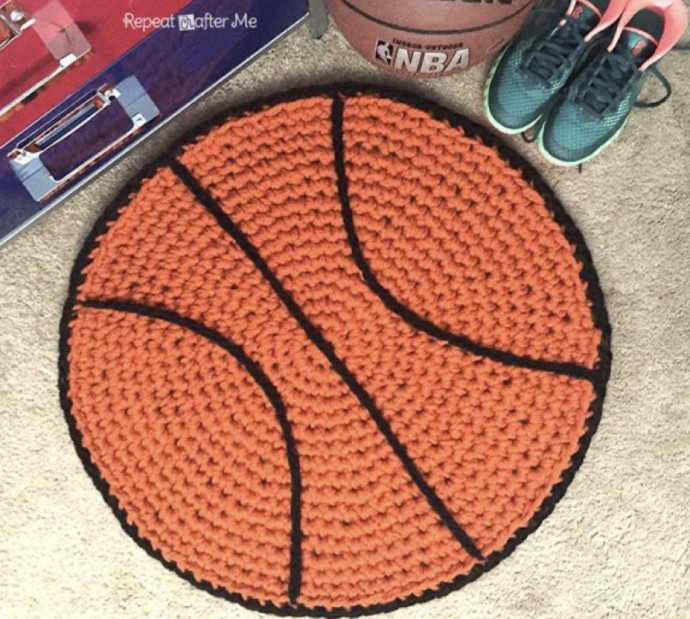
<point x="272" y="394"/>
<point x="588" y="275"/>
<point x="411" y="30"/>
<point x="327" y="350"/>
<point x="413" y="319"/>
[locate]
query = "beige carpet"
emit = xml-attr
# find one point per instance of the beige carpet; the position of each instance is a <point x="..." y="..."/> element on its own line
<point x="616" y="546"/>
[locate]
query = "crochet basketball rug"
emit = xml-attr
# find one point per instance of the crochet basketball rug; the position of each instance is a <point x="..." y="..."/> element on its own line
<point x="339" y="353"/>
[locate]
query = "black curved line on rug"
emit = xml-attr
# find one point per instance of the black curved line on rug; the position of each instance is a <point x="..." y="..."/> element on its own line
<point x="326" y="348"/>
<point x="572" y="370"/>
<point x="271" y="392"/>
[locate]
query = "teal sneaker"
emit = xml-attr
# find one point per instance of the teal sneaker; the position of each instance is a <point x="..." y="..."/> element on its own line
<point x="596" y="106"/>
<point x="532" y="70"/>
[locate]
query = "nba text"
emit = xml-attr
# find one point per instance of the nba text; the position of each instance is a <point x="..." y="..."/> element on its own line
<point x="408" y="60"/>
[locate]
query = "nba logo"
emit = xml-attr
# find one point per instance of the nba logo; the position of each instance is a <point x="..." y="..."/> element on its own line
<point x="384" y="52"/>
<point x="186" y="22"/>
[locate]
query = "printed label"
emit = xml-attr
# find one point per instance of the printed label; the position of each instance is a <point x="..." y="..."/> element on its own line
<point x="406" y="57"/>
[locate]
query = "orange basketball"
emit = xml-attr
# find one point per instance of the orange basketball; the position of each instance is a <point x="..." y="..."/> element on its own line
<point x="339" y="353"/>
<point x="428" y="38"/>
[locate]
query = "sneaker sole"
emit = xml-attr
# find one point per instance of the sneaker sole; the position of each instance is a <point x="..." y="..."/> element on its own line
<point x="569" y="164"/>
<point x="487" y="111"/>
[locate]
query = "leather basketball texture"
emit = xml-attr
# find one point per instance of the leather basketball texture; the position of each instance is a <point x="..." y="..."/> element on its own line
<point x="427" y="38"/>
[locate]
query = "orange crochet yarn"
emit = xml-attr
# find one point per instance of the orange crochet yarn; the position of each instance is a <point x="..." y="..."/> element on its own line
<point x="341" y="352"/>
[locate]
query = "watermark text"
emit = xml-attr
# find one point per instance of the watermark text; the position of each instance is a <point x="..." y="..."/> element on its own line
<point x="188" y="22"/>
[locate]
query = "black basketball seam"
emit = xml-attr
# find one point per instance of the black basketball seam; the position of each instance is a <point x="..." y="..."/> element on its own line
<point x="470" y="128"/>
<point x="326" y="348"/>
<point x="572" y="370"/>
<point x="269" y="389"/>
<point x="411" y="30"/>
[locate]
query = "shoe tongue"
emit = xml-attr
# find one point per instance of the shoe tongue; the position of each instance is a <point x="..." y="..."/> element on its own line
<point x="639" y="44"/>
<point x="587" y="13"/>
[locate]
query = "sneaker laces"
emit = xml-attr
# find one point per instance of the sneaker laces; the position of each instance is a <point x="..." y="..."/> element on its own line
<point x="610" y="77"/>
<point x="607" y="81"/>
<point x="548" y="55"/>
<point x="656" y="72"/>
<point x="663" y="80"/>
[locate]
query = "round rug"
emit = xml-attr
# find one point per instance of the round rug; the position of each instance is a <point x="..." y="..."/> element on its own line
<point x="338" y="353"/>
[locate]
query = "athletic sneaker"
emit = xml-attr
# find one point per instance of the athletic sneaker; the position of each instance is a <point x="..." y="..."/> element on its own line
<point x="531" y="71"/>
<point x="596" y="106"/>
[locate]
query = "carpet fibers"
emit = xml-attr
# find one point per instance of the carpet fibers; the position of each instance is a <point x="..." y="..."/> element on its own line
<point x="616" y="545"/>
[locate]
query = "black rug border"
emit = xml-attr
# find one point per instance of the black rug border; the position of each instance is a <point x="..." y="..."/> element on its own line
<point x="588" y="275"/>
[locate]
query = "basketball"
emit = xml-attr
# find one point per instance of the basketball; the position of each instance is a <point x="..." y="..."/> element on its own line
<point x="428" y="38"/>
<point x="338" y="353"/>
